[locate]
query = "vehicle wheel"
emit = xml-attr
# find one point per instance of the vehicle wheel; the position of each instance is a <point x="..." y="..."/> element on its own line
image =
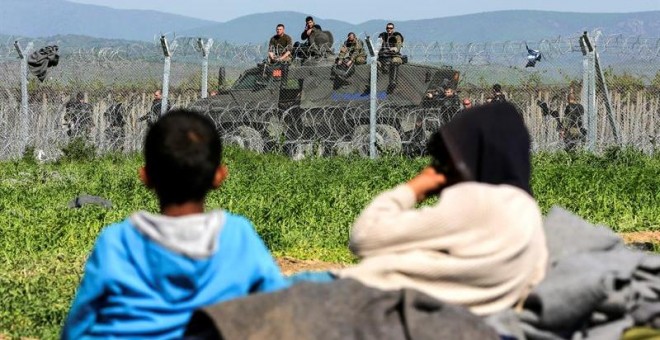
<point x="388" y="140"/>
<point x="247" y="138"/>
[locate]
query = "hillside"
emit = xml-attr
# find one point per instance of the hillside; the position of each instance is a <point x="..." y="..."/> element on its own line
<point x="60" y="17"/>
<point x="491" y="26"/>
<point x="42" y="18"/>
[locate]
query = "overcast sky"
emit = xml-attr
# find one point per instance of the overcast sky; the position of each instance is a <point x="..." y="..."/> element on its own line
<point x="360" y="11"/>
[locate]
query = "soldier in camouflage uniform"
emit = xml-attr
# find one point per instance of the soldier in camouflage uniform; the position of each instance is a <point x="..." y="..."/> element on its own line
<point x="389" y="55"/>
<point x="572" y="132"/>
<point x="392" y="42"/>
<point x="279" y="46"/>
<point x="78" y="119"/>
<point x="352" y="52"/>
<point x="450" y="105"/>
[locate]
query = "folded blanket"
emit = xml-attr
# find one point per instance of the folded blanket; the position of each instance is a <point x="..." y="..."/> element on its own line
<point x="595" y="288"/>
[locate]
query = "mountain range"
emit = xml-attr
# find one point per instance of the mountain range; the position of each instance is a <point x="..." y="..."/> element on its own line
<point x="45" y="18"/>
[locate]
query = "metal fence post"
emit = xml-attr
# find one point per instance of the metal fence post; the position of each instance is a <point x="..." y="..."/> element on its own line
<point x="605" y="93"/>
<point x="205" y="47"/>
<point x="166" y="75"/>
<point x="589" y="90"/>
<point x="23" y="121"/>
<point x="373" y="98"/>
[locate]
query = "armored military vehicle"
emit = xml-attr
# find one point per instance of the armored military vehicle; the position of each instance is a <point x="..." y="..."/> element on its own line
<point x="312" y="106"/>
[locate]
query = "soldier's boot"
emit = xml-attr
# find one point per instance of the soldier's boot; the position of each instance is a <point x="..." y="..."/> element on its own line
<point x="393" y="78"/>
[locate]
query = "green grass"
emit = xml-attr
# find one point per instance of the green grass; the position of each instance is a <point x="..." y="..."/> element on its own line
<point x="302" y="209"/>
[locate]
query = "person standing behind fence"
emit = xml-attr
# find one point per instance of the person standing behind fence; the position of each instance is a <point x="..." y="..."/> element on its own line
<point x="115" y="122"/>
<point x="156" y="106"/>
<point x="78" y="118"/>
<point x="467" y="104"/>
<point x="279" y="46"/>
<point x="498" y="96"/>
<point x="450" y="104"/>
<point x="573" y="133"/>
<point x="147" y="274"/>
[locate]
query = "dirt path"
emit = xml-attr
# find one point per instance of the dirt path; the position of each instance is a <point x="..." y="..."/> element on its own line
<point x="289" y="265"/>
<point x="642" y="236"/>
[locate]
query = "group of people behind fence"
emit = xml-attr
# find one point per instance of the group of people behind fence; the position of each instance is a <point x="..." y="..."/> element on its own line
<point x="193" y="271"/>
<point x="78" y="121"/>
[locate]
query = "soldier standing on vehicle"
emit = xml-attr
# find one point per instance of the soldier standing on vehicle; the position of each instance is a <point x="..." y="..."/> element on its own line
<point x="352" y="52"/>
<point x="279" y="46"/>
<point x="78" y="119"/>
<point x="573" y="133"/>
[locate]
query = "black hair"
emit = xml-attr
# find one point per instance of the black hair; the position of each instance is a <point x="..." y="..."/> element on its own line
<point x="497" y="87"/>
<point x="80" y="96"/>
<point x="182" y="151"/>
<point x="309" y="18"/>
<point x="389" y="24"/>
<point x="280" y="25"/>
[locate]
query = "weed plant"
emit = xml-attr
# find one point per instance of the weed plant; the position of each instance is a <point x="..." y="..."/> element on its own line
<point x="302" y="209"/>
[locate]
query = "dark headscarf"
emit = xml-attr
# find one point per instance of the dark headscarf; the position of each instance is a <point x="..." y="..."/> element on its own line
<point x="488" y="144"/>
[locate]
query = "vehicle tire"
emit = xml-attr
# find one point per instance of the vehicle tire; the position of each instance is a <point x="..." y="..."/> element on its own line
<point x="388" y="140"/>
<point x="246" y="137"/>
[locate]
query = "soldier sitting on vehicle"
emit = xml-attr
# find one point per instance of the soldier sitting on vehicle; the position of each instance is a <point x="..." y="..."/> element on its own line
<point x="389" y="55"/>
<point x="279" y="46"/>
<point x="352" y="52"/>
<point x="310" y="27"/>
<point x="316" y="42"/>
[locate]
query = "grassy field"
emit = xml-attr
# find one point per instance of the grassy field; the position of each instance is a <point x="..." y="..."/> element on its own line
<point x="302" y="209"/>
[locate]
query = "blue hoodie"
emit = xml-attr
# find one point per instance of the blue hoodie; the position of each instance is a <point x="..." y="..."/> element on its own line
<point x="148" y="273"/>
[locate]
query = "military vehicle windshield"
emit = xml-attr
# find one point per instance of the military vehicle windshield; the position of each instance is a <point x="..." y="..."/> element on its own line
<point x="248" y="81"/>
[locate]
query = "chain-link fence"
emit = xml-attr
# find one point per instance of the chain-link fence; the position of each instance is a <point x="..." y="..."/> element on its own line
<point x="315" y="107"/>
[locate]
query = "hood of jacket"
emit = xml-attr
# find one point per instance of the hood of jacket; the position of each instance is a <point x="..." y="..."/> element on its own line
<point x="489" y="144"/>
<point x="175" y="254"/>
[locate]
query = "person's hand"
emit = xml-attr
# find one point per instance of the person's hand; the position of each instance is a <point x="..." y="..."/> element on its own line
<point x="309" y="31"/>
<point x="428" y="180"/>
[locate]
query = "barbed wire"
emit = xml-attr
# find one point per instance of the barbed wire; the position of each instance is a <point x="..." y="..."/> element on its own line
<point x="137" y="69"/>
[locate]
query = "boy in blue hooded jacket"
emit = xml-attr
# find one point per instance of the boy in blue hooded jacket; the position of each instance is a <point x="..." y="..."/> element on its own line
<point x="148" y="273"/>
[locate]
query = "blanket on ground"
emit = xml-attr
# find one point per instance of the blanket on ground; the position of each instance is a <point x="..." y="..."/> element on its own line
<point x="343" y="309"/>
<point x="595" y="288"/>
